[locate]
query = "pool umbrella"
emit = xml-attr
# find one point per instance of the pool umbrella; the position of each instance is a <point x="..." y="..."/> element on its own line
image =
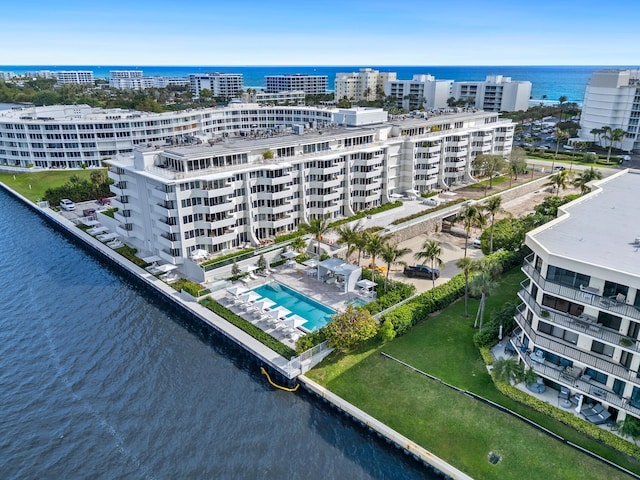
<point x="249" y="297"/>
<point x="263" y="304"/>
<point x="294" y="321"/>
<point x="238" y="290"/>
<point x="312" y="263"/>
<point x="365" y="283"/>
<point x="279" y="312"/>
<point x="289" y="254"/>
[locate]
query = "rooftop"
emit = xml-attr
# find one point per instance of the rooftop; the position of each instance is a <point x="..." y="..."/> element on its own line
<point x="600" y="228"/>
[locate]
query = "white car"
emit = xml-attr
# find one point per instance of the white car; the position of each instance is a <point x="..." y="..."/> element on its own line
<point x="66" y="204"/>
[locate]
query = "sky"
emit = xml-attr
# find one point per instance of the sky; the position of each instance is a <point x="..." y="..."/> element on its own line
<point x="347" y="32"/>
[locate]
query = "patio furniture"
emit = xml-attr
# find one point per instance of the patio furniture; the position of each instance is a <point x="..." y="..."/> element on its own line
<point x="564" y="393"/>
<point x="599" y="418"/>
<point x="537" y="387"/>
<point x="591" y="410"/>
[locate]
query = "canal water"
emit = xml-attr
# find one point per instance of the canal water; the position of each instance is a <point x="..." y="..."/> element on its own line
<point x="100" y="380"/>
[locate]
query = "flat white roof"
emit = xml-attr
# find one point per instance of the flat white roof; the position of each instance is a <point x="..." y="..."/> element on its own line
<point x="600" y="228"/>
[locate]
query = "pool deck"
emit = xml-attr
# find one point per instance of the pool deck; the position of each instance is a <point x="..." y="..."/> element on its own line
<point x="297" y="279"/>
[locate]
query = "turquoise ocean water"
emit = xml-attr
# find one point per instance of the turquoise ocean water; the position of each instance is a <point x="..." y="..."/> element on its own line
<point x="552" y="81"/>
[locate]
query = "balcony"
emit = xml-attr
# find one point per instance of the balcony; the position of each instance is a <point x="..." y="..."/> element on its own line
<point x="160" y="194"/>
<point x="217" y="239"/>
<point x="598" y="362"/>
<point x="284" y="193"/>
<point x="217" y="192"/>
<point x="578" y="324"/>
<point x="581" y="386"/>
<point x="164" y="239"/>
<point x="584" y="296"/>
<point x="164" y="210"/>
<point x="219" y="208"/>
<point x="377" y="173"/>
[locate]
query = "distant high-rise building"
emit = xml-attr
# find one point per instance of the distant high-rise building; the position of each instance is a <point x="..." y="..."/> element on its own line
<point x="135" y="80"/>
<point x="367" y="84"/>
<point x="495" y="94"/>
<point x="6" y="75"/>
<point x="422" y="91"/>
<point x="74" y="77"/>
<point x="612" y="99"/>
<point x="309" y="84"/>
<point x="220" y="84"/>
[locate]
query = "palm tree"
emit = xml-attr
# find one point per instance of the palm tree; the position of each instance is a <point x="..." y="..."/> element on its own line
<point x="585" y="177"/>
<point x="375" y="246"/>
<point x="560" y="135"/>
<point x="298" y="244"/>
<point x="484" y="283"/>
<point x="612" y="135"/>
<point x="559" y="180"/>
<point x="561" y="101"/>
<point x="470" y="215"/>
<point x="508" y="370"/>
<point x="493" y="206"/>
<point x="360" y="242"/>
<point x="318" y="227"/>
<point x="391" y="254"/>
<point x="347" y="235"/>
<point x="466" y="266"/>
<point x="431" y="251"/>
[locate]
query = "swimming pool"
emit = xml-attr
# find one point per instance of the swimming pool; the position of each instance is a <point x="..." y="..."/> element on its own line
<point x="315" y="314"/>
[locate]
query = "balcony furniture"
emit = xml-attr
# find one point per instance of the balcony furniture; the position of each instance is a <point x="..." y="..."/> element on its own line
<point x="537" y="387"/>
<point x="590" y="290"/>
<point x="598" y="392"/>
<point x="590" y="410"/>
<point x="564" y="393"/>
<point x="570" y="373"/>
<point x="585" y="378"/>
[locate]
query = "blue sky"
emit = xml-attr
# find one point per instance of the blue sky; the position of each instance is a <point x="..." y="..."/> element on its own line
<point x="348" y="32"/>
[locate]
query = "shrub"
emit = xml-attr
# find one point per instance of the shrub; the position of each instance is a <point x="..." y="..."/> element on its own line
<point x="288" y="236"/>
<point x="246" y="326"/>
<point x="387" y="331"/>
<point x="223" y="260"/>
<point x="310" y="340"/>
<point x="426" y="212"/>
<point x="351" y="327"/>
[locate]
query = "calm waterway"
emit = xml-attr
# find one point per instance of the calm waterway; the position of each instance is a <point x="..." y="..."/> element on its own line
<point x="97" y="380"/>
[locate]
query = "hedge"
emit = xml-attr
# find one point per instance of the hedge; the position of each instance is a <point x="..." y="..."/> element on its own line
<point x="228" y="256"/>
<point x="288" y="236"/>
<point x="260" y="335"/>
<point x="310" y="340"/>
<point x="425" y="212"/>
<point x="567" y="418"/>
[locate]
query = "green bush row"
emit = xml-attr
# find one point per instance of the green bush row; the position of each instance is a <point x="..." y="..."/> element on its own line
<point x="229" y="256"/>
<point x="310" y="340"/>
<point x="130" y="254"/>
<point x="395" y="293"/>
<point x="192" y="288"/>
<point x="288" y="236"/>
<point x="260" y="335"/>
<point x="567" y="418"/>
<point x="364" y="213"/>
<point x="425" y="212"/>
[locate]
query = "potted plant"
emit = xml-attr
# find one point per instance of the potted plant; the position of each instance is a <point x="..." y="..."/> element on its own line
<point x="626" y="342"/>
<point x="544" y="313"/>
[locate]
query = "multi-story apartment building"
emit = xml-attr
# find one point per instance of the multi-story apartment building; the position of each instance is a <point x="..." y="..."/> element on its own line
<point x="422" y="91"/>
<point x="295" y="97"/>
<point x="367" y="84"/>
<point x="6" y="75"/>
<point x="495" y="94"/>
<point x="309" y="84"/>
<point x="72" y="136"/>
<point x="135" y="80"/>
<point x="579" y="323"/>
<point x="612" y="99"/>
<point x="80" y="77"/>
<point x="215" y="196"/>
<point x="219" y="84"/>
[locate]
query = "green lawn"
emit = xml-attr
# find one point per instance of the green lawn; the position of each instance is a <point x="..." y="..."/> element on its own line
<point x="33" y="184"/>
<point x="455" y="427"/>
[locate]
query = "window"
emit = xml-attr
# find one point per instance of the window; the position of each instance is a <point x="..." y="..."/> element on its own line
<point x="599" y="347"/>
<point x="562" y="305"/>
<point x="609" y="320"/>
<point x="567" y="277"/>
<point x="558" y="332"/>
<point x="611" y="289"/>
<point x="596" y="376"/>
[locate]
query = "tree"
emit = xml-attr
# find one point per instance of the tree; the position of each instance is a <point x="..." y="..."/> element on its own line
<point x="298" y="244"/>
<point x="484" y="283"/>
<point x="391" y="254"/>
<point x="559" y="180"/>
<point x="431" y="251"/>
<point x="612" y="135"/>
<point x="466" y="266"/>
<point x="508" y="370"/>
<point x="375" y="246"/>
<point x="517" y="161"/>
<point x="350" y="327"/>
<point x="470" y="215"/>
<point x="347" y="235"/>
<point x="360" y="242"/>
<point x="262" y="263"/>
<point x="489" y="165"/>
<point x="235" y="269"/>
<point x="584" y="178"/>
<point x="344" y="102"/>
<point x="267" y="155"/>
<point x="596" y="132"/>
<point x="318" y="227"/>
<point x="561" y="101"/>
<point x="630" y="428"/>
<point x="560" y="135"/>
<point x="493" y="206"/>
<point x="387" y="331"/>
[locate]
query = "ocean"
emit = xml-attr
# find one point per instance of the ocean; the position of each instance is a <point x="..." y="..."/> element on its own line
<point x="552" y="81"/>
<point x="100" y="380"/>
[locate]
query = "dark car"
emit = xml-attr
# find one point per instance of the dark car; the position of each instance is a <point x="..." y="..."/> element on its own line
<point x="421" y="271"/>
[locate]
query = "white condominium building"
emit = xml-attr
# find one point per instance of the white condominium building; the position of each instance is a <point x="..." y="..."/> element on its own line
<point x="6" y="75"/>
<point x="422" y="91"/>
<point x="227" y="192"/>
<point x="135" y="80"/>
<point x="219" y="84"/>
<point x="67" y="77"/>
<point x="612" y="99"/>
<point x="580" y="317"/>
<point x="295" y="97"/>
<point x="495" y="94"/>
<point x="309" y="84"/>
<point x="367" y="84"/>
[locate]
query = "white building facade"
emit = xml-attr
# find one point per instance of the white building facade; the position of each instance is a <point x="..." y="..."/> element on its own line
<point x="309" y="84"/>
<point x="295" y="97"/>
<point x="495" y="94"/>
<point x="365" y="84"/>
<point x="218" y="196"/>
<point x="422" y="91"/>
<point x="74" y="77"/>
<point x="219" y="84"/>
<point x="612" y="99"/>
<point x="579" y="323"/>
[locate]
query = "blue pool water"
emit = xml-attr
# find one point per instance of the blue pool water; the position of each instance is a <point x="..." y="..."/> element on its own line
<point x="359" y="302"/>
<point x="316" y="314"/>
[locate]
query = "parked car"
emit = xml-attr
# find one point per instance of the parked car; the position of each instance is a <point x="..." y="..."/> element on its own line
<point x="421" y="271"/>
<point x="626" y="158"/>
<point x="104" y="200"/>
<point x="66" y="204"/>
<point x="476" y="243"/>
